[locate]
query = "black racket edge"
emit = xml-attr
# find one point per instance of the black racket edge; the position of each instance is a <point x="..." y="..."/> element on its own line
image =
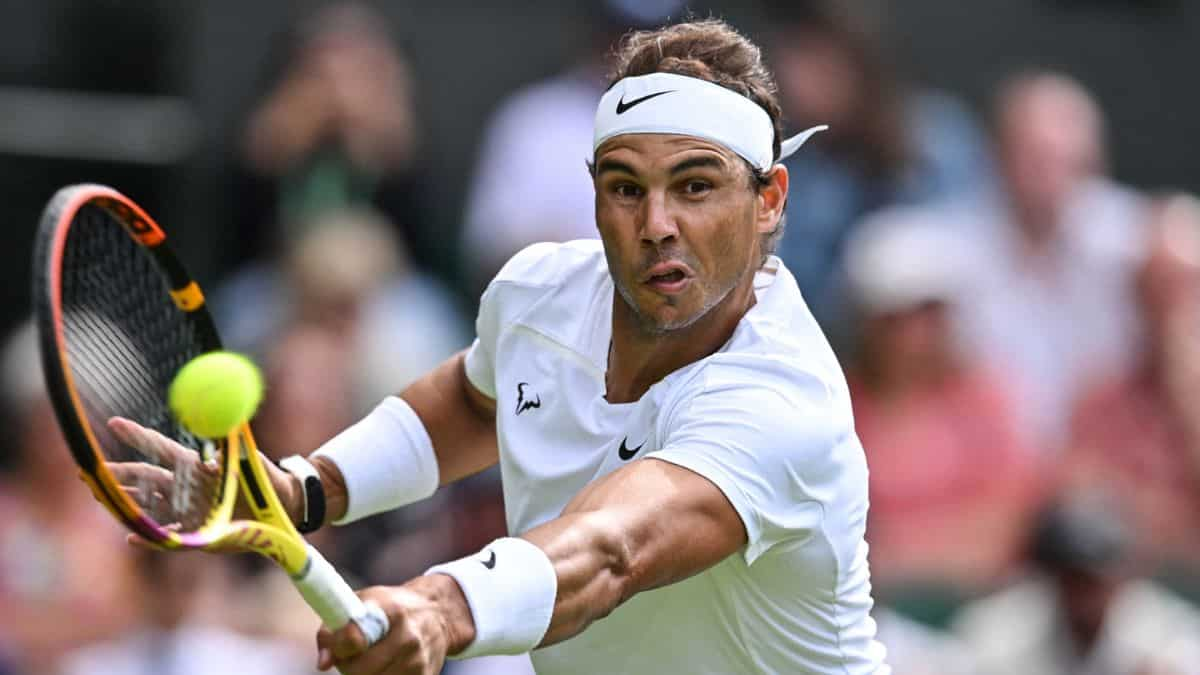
<point x="54" y="226"/>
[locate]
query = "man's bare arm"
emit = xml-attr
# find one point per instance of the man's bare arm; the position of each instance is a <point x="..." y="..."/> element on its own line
<point x="646" y="525"/>
<point x="460" y="420"/>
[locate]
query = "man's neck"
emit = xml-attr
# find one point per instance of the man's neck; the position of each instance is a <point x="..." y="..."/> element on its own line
<point x="1038" y="229"/>
<point x="637" y="359"/>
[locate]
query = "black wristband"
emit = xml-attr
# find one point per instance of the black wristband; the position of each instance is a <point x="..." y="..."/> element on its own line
<point x="313" y="515"/>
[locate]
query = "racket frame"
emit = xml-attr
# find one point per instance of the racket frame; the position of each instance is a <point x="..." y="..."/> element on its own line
<point x="271" y="533"/>
<point x="64" y="396"/>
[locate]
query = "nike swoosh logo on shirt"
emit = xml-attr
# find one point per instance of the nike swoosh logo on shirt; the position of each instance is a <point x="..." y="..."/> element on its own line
<point x="625" y="453"/>
<point x="490" y="562"/>
<point x="622" y="106"/>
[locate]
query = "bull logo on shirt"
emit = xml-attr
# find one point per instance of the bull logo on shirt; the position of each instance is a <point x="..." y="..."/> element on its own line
<point x="522" y="404"/>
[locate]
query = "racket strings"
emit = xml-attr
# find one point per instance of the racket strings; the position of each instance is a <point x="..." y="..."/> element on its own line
<point x="125" y="341"/>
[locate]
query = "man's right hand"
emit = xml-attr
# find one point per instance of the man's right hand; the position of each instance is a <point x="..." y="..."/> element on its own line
<point x="165" y="457"/>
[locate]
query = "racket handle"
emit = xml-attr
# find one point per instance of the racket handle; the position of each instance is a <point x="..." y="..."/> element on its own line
<point x="334" y="601"/>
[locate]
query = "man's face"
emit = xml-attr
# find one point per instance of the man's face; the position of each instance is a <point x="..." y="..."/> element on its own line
<point x="681" y="224"/>
<point x="1050" y="142"/>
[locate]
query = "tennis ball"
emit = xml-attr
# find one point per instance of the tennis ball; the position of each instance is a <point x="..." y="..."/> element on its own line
<point x="215" y="392"/>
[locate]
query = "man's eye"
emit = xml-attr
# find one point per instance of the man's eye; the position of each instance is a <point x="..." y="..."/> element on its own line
<point x="697" y="187"/>
<point x="627" y="190"/>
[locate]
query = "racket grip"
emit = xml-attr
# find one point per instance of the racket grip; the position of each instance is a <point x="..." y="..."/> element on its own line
<point x="334" y="601"/>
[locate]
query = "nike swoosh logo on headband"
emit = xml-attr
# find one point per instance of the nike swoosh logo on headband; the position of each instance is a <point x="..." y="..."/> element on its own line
<point x="622" y="106"/>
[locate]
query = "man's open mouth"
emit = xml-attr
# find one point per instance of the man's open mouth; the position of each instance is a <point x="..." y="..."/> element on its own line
<point x="668" y="278"/>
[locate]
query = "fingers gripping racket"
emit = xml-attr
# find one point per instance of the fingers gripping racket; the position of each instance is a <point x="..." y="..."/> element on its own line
<point x="117" y="317"/>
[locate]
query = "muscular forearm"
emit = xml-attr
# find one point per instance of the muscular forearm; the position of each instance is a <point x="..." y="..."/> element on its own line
<point x="596" y="568"/>
<point x="591" y="561"/>
<point x="648" y="525"/>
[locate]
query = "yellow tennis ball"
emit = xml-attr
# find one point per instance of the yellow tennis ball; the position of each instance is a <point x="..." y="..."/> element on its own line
<point x="215" y="392"/>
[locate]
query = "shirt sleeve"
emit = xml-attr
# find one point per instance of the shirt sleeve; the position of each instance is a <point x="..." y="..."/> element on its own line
<point x="780" y="454"/>
<point x="480" y="363"/>
<point x="515" y="286"/>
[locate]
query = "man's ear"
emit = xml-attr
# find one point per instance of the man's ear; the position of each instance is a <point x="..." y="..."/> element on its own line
<point x="772" y="197"/>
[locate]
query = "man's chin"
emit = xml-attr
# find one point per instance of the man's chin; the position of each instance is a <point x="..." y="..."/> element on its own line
<point x="666" y="320"/>
<point x="658" y="315"/>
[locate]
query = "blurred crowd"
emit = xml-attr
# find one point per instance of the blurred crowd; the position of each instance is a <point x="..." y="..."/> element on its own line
<point x="1020" y="331"/>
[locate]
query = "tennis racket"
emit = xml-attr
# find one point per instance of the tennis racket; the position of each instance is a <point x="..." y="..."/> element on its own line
<point x="117" y="317"/>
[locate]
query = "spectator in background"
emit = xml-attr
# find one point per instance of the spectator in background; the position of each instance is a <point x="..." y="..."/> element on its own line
<point x="953" y="480"/>
<point x="340" y="323"/>
<point x="542" y="135"/>
<point x="1052" y="271"/>
<point x="889" y="142"/>
<point x="310" y="375"/>
<point x="351" y="275"/>
<point x="914" y="648"/>
<point x="336" y="129"/>
<point x="347" y="275"/>
<point x="1136" y="432"/>
<point x="182" y="629"/>
<point x="66" y="574"/>
<point x="1086" y="610"/>
<point x="309" y="379"/>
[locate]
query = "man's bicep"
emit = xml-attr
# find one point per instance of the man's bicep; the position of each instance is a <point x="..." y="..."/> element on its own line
<point x="675" y="521"/>
<point x="460" y="419"/>
<point x="645" y="525"/>
<point x="483" y="403"/>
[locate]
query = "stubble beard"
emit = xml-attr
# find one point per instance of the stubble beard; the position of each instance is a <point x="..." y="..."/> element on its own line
<point x="654" y="328"/>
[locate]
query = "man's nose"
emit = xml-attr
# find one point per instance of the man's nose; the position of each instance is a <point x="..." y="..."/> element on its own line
<point x="658" y="224"/>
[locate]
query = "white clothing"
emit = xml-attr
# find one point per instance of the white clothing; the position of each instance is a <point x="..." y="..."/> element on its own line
<point x="1019" y="630"/>
<point x="914" y="648"/>
<point x="541" y="136"/>
<point x="1055" y="321"/>
<point x="767" y="419"/>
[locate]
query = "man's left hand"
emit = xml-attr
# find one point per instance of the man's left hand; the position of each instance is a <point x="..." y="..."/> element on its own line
<point x="429" y="619"/>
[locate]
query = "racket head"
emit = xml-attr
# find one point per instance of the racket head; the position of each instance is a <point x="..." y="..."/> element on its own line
<point x="117" y="316"/>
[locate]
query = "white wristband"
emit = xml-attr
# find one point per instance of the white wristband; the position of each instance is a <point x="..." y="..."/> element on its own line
<point x="386" y="460"/>
<point x="510" y="587"/>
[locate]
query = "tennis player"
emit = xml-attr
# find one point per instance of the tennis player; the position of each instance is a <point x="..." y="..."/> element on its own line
<point x="682" y="480"/>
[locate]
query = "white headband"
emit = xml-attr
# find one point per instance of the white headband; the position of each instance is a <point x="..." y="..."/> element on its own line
<point x="665" y="103"/>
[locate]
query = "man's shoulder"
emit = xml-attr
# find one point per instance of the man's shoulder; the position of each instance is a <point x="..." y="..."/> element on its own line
<point x="791" y="396"/>
<point x="778" y="347"/>
<point x="550" y="264"/>
<point x="777" y="359"/>
<point x="748" y="371"/>
<point x="549" y="289"/>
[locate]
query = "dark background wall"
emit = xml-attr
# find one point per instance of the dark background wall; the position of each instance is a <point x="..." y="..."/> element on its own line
<point x="1139" y="57"/>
